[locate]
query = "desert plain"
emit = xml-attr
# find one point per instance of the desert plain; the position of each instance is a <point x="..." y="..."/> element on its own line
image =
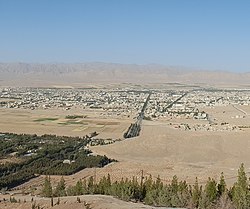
<point x="188" y="130"/>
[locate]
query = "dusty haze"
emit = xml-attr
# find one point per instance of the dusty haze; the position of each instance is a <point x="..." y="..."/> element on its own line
<point x="82" y="74"/>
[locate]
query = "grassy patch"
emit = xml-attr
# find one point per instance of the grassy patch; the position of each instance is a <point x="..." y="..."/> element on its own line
<point x="74" y="116"/>
<point x="72" y="122"/>
<point x="45" y="119"/>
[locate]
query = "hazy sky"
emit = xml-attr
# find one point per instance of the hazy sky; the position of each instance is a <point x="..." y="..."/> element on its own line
<point x="208" y="34"/>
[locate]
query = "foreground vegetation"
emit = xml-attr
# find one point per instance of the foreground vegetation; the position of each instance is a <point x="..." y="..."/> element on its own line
<point x="46" y="154"/>
<point x="154" y="192"/>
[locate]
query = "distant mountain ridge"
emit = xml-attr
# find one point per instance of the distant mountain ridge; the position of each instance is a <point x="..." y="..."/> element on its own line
<point x="77" y="74"/>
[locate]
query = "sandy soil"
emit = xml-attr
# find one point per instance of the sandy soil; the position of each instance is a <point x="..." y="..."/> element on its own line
<point x="25" y="121"/>
<point x="91" y="201"/>
<point x="230" y="114"/>
<point x="166" y="152"/>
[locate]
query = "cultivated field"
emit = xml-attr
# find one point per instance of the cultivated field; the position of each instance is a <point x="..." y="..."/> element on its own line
<point x="53" y="121"/>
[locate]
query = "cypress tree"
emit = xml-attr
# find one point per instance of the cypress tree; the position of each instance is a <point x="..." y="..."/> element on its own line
<point x="209" y="195"/>
<point x="47" y="188"/>
<point x="173" y="187"/>
<point x="196" y="194"/>
<point x="211" y="190"/>
<point x="240" y="190"/>
<point x="174" y="184"/>
<point x="183" y="194"/>
<point x="222" y="185"/>
<point x="91" y="185"/>
<point x="79" y="188"/>
<point x="60" y="188"/>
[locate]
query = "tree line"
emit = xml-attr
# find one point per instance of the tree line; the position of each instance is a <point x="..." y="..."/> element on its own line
<point x="212" y="195"/>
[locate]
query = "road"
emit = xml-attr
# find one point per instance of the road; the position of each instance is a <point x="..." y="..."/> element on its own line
<point x="135" y="128"/>
<point x="178" y="99"/>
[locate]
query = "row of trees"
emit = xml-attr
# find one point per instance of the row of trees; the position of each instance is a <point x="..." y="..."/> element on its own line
<point x="154" y="192"/>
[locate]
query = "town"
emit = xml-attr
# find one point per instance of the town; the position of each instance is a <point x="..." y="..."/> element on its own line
<point x="180" y="108"/>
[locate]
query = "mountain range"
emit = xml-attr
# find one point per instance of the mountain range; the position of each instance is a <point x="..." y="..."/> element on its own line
<point x="81" y="74"/>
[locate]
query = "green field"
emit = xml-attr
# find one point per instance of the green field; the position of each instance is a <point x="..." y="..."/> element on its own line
<point x="45" y="119"/>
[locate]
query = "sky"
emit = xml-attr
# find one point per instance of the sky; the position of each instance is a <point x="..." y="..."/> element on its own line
<point x="204" y="34"/>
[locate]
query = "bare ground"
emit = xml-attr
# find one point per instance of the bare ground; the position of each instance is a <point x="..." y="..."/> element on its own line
<point x="86" y="201"/>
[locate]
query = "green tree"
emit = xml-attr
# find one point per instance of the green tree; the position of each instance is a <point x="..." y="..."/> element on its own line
<point x="91" y="185"/>
<point x="60" y="188"/>
<point x="209" y="195"/>
<point x="183" y="195"/>
<point x="174" y="188"/>
<point x="240" y="190"/>
<point x="196" y="194"/>
<point x="79" y="188"/>
<point x="47" y="188"/>
<point x="157" y="194"/>
<point x="150" y="198"/>
<point x="211" y="190"/>
<point x="222" y="185"/>
<point x="71" y="191"/>
<point x="104" y="186"/>
<point x="163" y="197"/>
<point x="108" y="185"/>
<point x="101" y="185"/>
<point x="126" y="190"/>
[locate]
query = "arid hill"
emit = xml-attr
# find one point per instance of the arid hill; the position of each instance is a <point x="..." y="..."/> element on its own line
<point x="82" y="74"/>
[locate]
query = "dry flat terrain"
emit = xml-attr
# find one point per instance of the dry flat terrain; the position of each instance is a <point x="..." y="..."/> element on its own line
<point x="53" y="121"/>
<point x="161" y="149"/>
<point x="164" y="150"/>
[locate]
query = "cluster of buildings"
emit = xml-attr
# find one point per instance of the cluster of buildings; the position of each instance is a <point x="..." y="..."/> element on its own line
<point x="108" y="102"/>
<point x="126" y="102"/>
<point x="205" y="127"/>
<point x="190" y="104"/>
